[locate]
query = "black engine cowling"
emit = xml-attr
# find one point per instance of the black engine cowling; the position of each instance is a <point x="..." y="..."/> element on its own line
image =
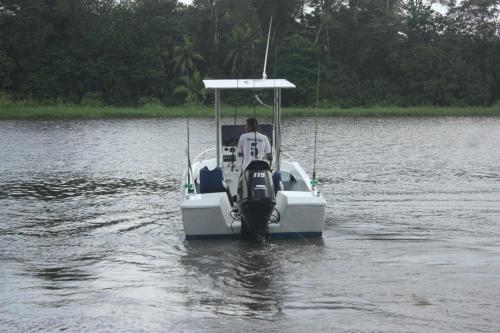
<point x="256" y="200"/>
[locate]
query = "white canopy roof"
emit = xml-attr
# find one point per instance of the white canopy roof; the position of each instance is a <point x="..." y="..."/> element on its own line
<point x="248" y="84"/>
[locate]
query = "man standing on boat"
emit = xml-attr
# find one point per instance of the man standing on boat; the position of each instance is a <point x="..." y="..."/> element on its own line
<point x="253" y="145"/>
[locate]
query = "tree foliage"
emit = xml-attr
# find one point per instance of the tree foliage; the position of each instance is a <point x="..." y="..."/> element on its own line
<point x="371" y="52"/>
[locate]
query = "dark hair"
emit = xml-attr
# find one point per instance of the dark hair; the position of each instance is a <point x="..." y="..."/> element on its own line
<point x="252" y="123"/>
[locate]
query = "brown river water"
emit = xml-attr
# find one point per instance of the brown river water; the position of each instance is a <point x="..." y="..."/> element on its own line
<point x="91" y="235"/>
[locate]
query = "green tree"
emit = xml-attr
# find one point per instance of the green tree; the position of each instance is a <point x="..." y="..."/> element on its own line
<point x="371" y="51"/>
<point x="192" y="88"/>
<point x="299" y="64"/>
<point x="186" y="58"/>
<point x="7" y="67"/>
<point x="241" y="47"/>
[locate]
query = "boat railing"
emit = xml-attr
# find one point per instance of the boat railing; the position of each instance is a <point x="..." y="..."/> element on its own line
<point x="201" y="155"/>
<point x="198" y="158"/>
<point x="288" y="156"/>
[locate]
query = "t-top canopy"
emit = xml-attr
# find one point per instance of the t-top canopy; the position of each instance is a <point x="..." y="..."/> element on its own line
<point x="248" y="84"/>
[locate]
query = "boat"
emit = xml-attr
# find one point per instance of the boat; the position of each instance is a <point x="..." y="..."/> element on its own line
<point x="264" y="201"/>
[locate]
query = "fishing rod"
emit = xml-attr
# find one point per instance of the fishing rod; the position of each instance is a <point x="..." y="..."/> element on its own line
<point x="314" y="181"/>
<point x="188" y="185"/>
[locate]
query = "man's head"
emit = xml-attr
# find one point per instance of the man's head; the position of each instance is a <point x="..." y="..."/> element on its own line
<point x="252" y="125"/>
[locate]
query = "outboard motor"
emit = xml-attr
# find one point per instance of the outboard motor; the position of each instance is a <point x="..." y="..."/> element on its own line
<point x="256" y="200"/>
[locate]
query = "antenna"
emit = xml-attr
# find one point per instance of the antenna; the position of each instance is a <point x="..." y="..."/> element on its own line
<point x="264" y="75"/>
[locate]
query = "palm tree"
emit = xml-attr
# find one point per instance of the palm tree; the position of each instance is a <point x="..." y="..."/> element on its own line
<point x="240" y="52"/>
<point x="193" y="88"/>
<point x="185" y="57"/>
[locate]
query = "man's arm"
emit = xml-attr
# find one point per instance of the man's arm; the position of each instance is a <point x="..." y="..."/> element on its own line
<point x="268" y="151"/>
<point x="240" y="148"/>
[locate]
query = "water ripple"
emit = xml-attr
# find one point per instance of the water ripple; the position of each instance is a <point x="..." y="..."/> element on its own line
<point x="53" y="189"/>
<point x="91" y="235"/>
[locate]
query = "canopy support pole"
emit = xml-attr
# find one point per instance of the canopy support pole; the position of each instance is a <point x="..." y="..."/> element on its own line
<point x="217" y="124"/>
<point x="277" y="127"/>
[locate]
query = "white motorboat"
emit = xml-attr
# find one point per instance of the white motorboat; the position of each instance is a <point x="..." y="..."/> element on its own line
<point x="275" y="201"/>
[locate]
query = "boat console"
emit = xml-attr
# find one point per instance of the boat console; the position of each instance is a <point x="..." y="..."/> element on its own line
<point x="231" y="162"/>
<point x="231" y="134"/>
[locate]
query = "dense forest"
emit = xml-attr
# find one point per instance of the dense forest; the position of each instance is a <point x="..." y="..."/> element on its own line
<point x="370" y="52"/>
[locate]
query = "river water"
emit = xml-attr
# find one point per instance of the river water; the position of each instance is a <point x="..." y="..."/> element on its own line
<point x="91" y="235"/>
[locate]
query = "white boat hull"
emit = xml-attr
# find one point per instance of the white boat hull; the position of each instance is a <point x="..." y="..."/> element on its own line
<point x="301" y="213"/>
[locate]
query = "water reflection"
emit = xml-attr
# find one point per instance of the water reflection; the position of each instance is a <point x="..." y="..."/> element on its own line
<point x="62" y="273"/>
<point x="241" y="279"/>
<point x="245" y="278"/>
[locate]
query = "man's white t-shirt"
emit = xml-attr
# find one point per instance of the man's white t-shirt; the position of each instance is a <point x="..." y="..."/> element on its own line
<point x="247" y="147"/>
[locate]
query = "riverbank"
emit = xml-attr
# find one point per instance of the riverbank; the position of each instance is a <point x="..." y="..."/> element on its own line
<point x="156" y="111"/>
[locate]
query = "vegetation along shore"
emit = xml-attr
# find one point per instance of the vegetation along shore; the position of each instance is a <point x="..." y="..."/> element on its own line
<point x="157" y="111"/>
<point x="367" y="53"/>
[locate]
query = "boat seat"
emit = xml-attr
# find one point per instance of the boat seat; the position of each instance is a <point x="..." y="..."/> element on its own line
<point x="277" y="183"/>
<point x="212" y="181"/>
